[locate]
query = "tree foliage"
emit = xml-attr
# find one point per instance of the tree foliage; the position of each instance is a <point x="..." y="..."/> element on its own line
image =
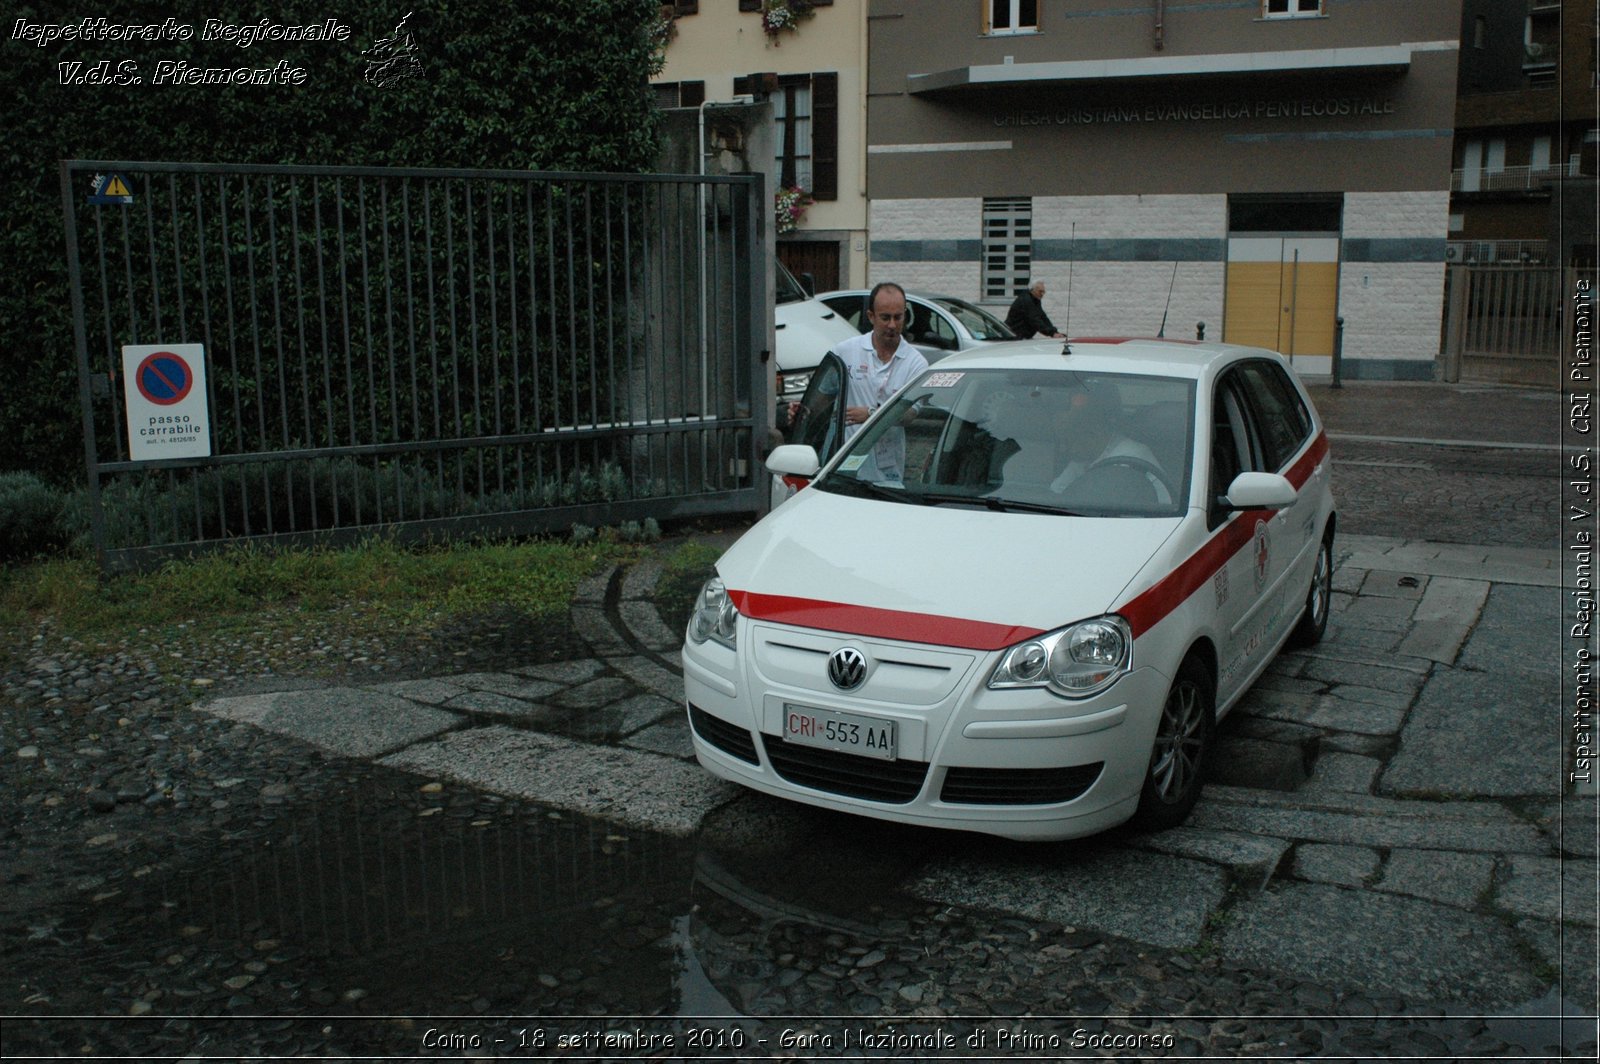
<point x="560" y="85"/>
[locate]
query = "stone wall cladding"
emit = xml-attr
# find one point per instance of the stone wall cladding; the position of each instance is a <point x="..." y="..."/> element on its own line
<point x="1125" y="217"/>
<point x="926" y="219"/>
<point x="1128" y="298"/>
<point x="959" y="279"/>
<point x="1397" y="214"/>
<point x="1392" y="310"/>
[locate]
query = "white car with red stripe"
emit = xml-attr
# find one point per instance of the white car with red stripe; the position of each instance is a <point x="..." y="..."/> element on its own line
<point x="1020" y="598"/>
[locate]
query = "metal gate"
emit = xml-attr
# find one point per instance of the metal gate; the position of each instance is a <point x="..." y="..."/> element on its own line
<point x="426" y="353"/>
<point x="1508" y="324"/>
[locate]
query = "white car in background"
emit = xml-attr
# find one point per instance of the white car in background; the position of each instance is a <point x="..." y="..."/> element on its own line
<point x="806" y="329"/>
<point x="936" y="325"/>
<point x="1019" y="599"/>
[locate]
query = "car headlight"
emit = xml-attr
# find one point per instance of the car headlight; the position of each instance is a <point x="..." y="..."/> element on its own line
<point x="1074" y="662"/>
<point x="793" y="385"/>
<point x="714" y="616"/>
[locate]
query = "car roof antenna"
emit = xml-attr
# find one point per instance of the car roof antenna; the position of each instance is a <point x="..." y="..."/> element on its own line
<point x="1066" y="332"/>
<point x="1162" y="332"/>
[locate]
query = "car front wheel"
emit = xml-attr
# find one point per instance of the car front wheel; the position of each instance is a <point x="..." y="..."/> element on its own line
<point x="1178" y="756"/>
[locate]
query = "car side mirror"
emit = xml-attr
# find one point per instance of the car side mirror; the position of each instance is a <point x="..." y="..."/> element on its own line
<point x="793" y="459"/>
<point x="1259" y="491"/>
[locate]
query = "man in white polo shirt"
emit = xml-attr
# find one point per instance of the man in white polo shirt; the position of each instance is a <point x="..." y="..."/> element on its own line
<point x="879" y="362"/>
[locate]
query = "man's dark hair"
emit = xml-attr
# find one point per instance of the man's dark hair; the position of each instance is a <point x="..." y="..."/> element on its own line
<point x="872" y="299"/>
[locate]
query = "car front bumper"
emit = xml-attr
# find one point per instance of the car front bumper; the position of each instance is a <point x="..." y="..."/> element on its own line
<point x="1023" y="764"/>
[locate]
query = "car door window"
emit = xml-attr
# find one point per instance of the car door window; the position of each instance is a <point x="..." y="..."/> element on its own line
<point x="1281" y="418"/>
<point x="932" y="329"/>
<point x="853" y="309"/>
<point x="1232" y="449"/>
<point x="819" y="421"/>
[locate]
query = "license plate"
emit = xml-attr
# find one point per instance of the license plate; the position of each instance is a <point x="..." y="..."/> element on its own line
<point x="848" y="733"/>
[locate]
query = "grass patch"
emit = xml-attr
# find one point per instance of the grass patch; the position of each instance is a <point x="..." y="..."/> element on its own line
<point x="682" y="574"/>
<point x="237" y="587"/>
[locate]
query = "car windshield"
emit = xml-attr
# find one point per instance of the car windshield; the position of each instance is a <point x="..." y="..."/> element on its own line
<point x="1038" y="441"/>
<point x="977" y="321"/>
<point x="785" y="287"/>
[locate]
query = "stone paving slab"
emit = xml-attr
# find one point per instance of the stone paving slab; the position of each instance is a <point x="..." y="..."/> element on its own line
<point x="1251" y="857"/>
<point x="630" y="787"/>
<point x="1336" y="772"/>
<point x="1361" y="821"/>
<point x="1460" y="879"/>
<point x="1153" y="898"/>
<point x="508" y="684"/>
<point x="494" y="704"/>
<point x="1549" y="888"/>
<point x="1342" y="866"/>
<point x="429" y="692"/>
<point x="1324" y="711"/>
<point x="352" y="722"/>
<point x="565" y="672"/>
<point x="1392" y="944"/>
<point x="1457" y="739"/>
<point x="1511" y="565"/>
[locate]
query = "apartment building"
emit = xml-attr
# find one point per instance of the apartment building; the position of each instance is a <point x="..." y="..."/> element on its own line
<point x="1522" y="190"/>
<point x="806" y="58"/>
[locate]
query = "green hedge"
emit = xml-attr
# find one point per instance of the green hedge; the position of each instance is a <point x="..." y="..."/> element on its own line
<point x="560" y="85"/>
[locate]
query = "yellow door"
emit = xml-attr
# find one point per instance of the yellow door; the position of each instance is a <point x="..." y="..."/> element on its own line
<point x="1282" y="294"/>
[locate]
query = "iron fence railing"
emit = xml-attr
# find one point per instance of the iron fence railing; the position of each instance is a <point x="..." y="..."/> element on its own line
<point x="427" y="352"/>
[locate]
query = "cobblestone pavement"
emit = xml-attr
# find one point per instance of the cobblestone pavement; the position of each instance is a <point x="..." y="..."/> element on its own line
<point x="1421" y="461"/>
<point x="1376" y="871"/>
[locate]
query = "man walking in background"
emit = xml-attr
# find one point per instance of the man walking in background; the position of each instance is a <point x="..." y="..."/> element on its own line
<point x="1027" y="318"/>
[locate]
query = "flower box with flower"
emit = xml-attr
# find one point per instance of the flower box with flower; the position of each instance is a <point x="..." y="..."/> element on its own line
<point x="780" y="15"/>
<point x="789" y="207"/>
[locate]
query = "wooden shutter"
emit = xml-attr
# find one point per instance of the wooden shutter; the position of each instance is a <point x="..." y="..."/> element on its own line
<point x="691" y="93"/>
<point x="686" y="7"/>
<point x="749" y="5"/>
<point x="825" y="136"/>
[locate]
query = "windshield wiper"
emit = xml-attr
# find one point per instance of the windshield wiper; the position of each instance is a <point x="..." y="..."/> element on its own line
<point x="866" y="487"/>
<point x="934" y="498"/>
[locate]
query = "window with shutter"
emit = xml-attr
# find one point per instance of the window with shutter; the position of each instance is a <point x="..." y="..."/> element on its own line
<point x="1007" y="245"/>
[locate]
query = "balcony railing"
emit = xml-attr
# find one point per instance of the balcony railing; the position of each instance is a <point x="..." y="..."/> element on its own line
<point x="1497" y="252"/>
<point x="1510" y="178"/>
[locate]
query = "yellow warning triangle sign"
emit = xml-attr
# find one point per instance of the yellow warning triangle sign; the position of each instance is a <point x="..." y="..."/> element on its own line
<point x="115" y="186"/>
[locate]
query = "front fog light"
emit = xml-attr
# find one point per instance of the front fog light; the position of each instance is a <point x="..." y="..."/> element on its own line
<point x="714" y="617"/>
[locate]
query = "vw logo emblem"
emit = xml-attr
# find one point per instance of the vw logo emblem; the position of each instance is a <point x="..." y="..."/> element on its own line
<point x="847" y="667"/>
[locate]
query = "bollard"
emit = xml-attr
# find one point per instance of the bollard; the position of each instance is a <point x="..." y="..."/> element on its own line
<point x="1338" y="349"/>
<point x="1199" y="330"/>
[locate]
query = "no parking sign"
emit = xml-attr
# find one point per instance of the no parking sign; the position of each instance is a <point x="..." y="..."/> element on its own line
<point x="164" y="386"/>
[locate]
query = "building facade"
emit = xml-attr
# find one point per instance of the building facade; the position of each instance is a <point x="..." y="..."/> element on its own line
<point x="807" y="62"/>
<point x="1523" y="185"/>
<point x="1264" y="167"/>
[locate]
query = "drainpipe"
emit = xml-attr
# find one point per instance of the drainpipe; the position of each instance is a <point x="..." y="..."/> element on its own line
<point x="1160" y="40"/>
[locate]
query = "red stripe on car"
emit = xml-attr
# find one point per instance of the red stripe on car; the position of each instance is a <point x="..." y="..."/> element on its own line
<point x="1146" y="609"/>
<point x="879" y="623"/>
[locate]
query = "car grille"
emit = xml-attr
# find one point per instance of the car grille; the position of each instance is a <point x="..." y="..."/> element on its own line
<point x="725" y="736"/>
<point x="896" y="782"/>
<point x="1017" y="786"/>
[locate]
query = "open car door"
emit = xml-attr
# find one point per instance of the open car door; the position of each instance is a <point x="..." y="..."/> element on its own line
<point x="817" y="421"/>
